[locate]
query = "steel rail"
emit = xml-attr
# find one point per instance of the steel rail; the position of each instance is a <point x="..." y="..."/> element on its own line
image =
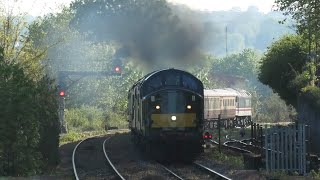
<point x="110" y="163"/>
<point x="171" y="172"/>
<point x="231" y="147"/>
<point x="73" y="160"/>
<point x="211" y="171"/>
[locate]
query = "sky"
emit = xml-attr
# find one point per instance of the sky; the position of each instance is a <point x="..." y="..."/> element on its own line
<point x="41" y="7"/>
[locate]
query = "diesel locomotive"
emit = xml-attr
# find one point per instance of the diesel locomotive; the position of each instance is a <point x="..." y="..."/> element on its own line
<point x="165" y="113"/>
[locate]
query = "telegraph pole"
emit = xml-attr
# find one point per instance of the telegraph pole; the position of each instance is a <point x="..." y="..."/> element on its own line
<point x="63" y="126"/>
<point x="226" y="40"/>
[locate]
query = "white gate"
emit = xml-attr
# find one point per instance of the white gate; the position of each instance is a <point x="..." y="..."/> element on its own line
<point x="285" y="148"/>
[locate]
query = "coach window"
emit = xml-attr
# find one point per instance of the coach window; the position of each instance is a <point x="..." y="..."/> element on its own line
<point x="248" y="104"/>
<point x="217" y="103"/>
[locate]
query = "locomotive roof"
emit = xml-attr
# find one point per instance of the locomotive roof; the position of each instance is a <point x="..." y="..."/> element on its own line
<point x="147" y="76"/>
<point x="168" y="78"/>
<point x="226" y="92"/>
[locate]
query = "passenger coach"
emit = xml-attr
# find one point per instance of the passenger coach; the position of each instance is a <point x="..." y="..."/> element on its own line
<point x="232" y="104"/>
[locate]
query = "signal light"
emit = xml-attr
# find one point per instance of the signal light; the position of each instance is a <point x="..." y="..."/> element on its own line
<point x="117" y="69"/>
<point x="207" y="135"/>
<point x="62" y="93"/>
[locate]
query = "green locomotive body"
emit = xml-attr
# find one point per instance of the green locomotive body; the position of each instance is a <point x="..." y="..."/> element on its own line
<point x="165" y="113"/>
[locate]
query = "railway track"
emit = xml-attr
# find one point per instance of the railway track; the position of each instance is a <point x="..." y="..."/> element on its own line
<point x="243" y="146"/>
<point x="197" y="170"/>
<point x="88" y="160"/>
<point x="239" y="146"/>
<point x="215" y="174"/>
<point x="110" y="163"/>
<point x="91" y="161"/>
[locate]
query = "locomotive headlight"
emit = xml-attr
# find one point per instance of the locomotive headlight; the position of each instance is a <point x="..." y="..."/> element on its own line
<point x="157" y="107"/>
<point x="189" y="107"/>
<point x="173" y="118"/>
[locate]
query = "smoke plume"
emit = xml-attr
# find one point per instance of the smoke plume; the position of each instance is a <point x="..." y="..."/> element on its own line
<point x="150" y="30"/>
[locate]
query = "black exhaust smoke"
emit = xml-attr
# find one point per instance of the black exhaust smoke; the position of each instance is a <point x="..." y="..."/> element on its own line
<point x="148" y="30"/>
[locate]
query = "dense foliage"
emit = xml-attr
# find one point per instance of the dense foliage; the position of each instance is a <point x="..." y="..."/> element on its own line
<point x="291" y="66"/>
<point x="312" y="94"/>
<point x="29" y="126"/>
<point x="28" y="110"/>
<point x="282" y="63"/>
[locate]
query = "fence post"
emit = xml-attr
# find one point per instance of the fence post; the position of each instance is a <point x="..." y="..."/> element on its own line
<point x="295" y="147"/>
<point x="219" y="127"/>
<point x="282" y="147"/>
<point x="278" y="147"/>
<point x="251" y="131"/>
<point x="291" y="141"/>
<point x="271" y="149"/>
<point x="255" y="131"/>
<point x="286" y="151"/>
<point x="261" y="138"/>
<point x="266" y="143"/>
<point x="304" y="148"/>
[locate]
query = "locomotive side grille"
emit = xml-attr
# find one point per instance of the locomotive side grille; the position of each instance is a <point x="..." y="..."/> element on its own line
<point x="165" y="121"/>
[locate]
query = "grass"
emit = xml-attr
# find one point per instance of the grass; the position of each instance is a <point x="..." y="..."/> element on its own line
<point x="315" y="175"/>
<point x="73" y="136"/>
<point x="231" y="160"/>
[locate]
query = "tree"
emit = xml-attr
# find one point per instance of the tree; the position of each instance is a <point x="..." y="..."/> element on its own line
<point x="282" y="63"/>
<point x="307" y="15"/>
<point x="244" y="64"/>
<point x="28" y="102"/>
<point x="17" y="45"/>
<point x="305" y="12"/>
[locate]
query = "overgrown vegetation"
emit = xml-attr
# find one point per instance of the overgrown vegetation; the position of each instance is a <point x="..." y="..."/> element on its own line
<point x="291" y="65"/>
<point x="281" y="175"/>
<point x="312" y="95"/>
<point x="315" y="174"/>
<point x="229" y="159"/>
<point x="73" y="136"/>
<point x="29" y="126"/>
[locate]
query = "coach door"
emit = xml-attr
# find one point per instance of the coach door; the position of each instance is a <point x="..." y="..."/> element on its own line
<point x="237" y="105"/>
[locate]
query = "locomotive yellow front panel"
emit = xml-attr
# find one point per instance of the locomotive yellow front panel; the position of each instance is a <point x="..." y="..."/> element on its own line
<point x="173" y="120"/>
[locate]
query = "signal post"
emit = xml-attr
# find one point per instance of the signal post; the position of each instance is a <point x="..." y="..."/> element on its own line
<point x="62" y="75"/>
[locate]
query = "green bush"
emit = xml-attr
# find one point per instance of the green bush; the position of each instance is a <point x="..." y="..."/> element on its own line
<point x="315" y="175"/>
<point x="29" y="127"/>
<point x="312" y="94"/>
<point x="116" y="120"/>
<point x="88" y="118"/>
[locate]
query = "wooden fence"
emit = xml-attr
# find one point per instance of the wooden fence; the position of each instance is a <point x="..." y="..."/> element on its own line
<point x="285" y="148"/>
